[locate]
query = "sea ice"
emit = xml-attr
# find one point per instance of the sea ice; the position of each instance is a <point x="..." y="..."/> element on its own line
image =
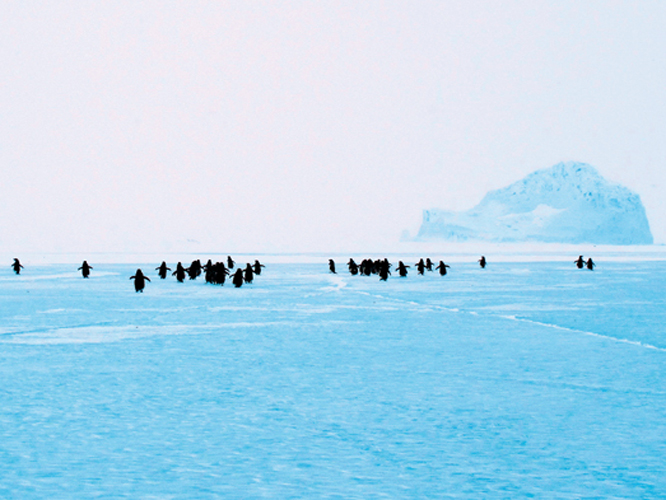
<point x="520" y="380"/>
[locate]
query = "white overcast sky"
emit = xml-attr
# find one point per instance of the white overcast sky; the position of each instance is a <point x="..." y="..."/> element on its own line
<point x="307" y="126"/>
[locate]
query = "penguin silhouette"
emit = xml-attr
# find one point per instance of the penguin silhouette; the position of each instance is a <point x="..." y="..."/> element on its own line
<point x="85" y="269"/>
<point x="139" y="280"/>
<point x="482" y="262"/>
<point x="590" y="264"/>
<point x="194" y="271"/>
<point x="230" y="262"/>
<point x="221" y="273"/>
<point x="580" y="263"/>
<point x="402" y="269"/>
<point x="353" y="267"/>
<point x="17" y="266"/>
<point x="442" y="268"/>
<point x="257" y="267"/>
<point x="179" y="273"/>
<point x="217" y="273"/>
<point x="420" y="267"/>
<point x="238" y="278"/>
<point x="377" y="266"/>
<point x="208" y="271"/>
<point x="383" y="269"/>
<point x="331" y="266"/>
<point x="162" y="270"/>
<point x="428" y="264"/>
<point x="249" y="273"/>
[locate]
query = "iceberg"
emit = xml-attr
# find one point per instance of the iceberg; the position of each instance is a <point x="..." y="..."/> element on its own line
<point x="567" y="203"/>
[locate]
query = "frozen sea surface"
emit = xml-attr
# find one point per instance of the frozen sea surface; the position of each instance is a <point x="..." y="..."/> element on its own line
<point x="521" y="380"/>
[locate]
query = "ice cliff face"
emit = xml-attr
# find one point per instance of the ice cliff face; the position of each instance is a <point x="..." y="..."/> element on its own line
<point x="567" y="203"/>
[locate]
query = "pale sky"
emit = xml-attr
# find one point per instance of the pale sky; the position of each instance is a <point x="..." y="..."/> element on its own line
<point x="308" y="126"/>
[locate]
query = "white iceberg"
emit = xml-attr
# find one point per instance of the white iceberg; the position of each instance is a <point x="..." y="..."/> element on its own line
<point x="567" y="203"/>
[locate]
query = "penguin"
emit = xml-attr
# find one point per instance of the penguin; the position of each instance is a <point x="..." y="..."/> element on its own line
<point x="221" y="273"/>
<point x="420" y="267"/>
<point x="85" y="269"/>
<point x="139" y="280"/>
<point x="580" y="262"/>
<point x="428" y="264"/>
<point x="353" y="267"/>
<point x="209" y="271"/>
<point x="331" y="266"/>
<point x="238" y="278"/>
<point x="217" y="274"/>
<point x="257" y="267"/>
<point x="230" y="262"/>
<point x="383" y="270"/>
<point x="249" y="273"/>
<point x="17" y="266"/>
<point x="194" y="271"/>
<point x="590" y="264"/>
<point x="442" y="268"/>
<point x="377" y="266"/>
<point x="162" y="270"/>
<point x="482" y="262"/>
<point x="179" y="273"/>
<point x="402" y="269"/>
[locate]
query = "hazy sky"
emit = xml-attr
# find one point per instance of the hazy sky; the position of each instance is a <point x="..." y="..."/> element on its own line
<point x="298" y="126"/>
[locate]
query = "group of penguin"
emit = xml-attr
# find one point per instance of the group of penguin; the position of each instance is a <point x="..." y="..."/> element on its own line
<point x="382" y="267"/>
<point x="581" y="263"/>
<point x="215" y="274"/>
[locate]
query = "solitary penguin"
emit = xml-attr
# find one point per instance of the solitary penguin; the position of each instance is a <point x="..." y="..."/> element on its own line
<point x="85" y="269"/>
<point x="257" y="267"/>
<point x="139" y="280"/>
<point x="442" y="268"/>
<point x="230" y="262"/>
<point x="249" y="273"/>
<point x="428" y="264"/>
<point x="17" y="266"/>
<point x="238" y="278"/>
<point x="590" y="264"/>
<point x="162" y="270"/>
<point x="579" y="262"/>
<point x="331" y="266"/>
<point x="179" y="273"/>
<point x="402" y="269"/>
<point x="482" y="262"/>
<point x="420" y="267"/>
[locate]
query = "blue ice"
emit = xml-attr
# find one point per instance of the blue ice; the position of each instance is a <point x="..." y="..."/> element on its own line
<point x="521" y="380"/>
